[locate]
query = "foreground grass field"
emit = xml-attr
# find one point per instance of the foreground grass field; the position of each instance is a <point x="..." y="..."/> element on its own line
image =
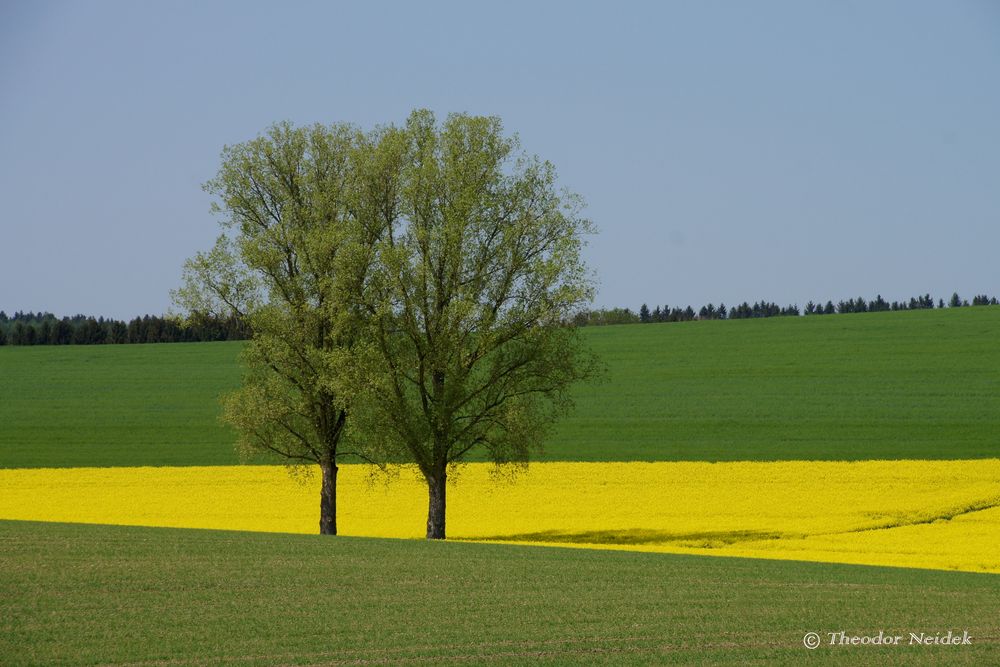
<point x="72" y="594"/>
<point x="934" y="514"/>
<point x="913" y="385"/>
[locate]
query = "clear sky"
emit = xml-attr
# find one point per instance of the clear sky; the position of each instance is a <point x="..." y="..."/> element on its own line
<point x="728" y="151"/>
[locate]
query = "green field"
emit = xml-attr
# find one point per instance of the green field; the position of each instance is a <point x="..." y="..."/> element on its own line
<point x="101" y="594"/>
<point x="921" y="384"/>
<point x="116" y="405"/>
<point x="886" y="385"/>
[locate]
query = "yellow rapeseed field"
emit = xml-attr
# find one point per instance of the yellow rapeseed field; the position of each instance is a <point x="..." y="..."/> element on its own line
<point x="931" y="514"/>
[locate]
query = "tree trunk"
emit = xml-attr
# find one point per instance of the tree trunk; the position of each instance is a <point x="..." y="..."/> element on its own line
<point x="436" y="485"/>
<point x="328" y="499"/>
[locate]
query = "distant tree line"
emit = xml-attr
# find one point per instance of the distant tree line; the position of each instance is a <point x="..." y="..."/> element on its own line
<point x="604" y="316"/>
<point x="46" y="329"/>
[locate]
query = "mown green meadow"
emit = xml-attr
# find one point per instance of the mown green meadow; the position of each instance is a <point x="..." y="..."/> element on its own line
<point x="142" y="596"/>
<point x="917" y="384"/>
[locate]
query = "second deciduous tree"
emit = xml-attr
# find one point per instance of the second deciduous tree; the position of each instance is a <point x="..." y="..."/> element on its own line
<point x="476" y="274"/>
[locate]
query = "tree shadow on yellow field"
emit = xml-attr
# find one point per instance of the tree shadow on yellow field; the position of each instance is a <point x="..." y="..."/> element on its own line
<point x="638" y="536"/>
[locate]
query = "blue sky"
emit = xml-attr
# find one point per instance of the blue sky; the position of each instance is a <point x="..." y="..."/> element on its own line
<point x="728" y="151"/>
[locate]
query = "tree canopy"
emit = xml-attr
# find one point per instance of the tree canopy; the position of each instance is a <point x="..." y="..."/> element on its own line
<point x="286" y="264"/>
<point x="408" y="290"/>
<point x="477" y="273"/>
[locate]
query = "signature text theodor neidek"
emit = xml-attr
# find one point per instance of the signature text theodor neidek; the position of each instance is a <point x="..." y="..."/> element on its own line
<point x="949" y="638"/>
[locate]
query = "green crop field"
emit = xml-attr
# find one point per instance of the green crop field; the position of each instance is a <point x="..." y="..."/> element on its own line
<point x="116" y="405"/>
<point x="102" y="594"/>
<point x="918" y="384"/>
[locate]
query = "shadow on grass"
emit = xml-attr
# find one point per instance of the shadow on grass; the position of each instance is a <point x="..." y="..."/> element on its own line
<point x="637" y="536"/>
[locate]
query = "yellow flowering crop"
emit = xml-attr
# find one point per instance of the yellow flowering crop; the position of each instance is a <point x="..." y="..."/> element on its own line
<point x="933" y="514"/>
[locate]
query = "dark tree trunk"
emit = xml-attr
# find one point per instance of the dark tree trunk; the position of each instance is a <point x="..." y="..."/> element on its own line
<point x="328" y="499"/>
<point x="436" y="485"/>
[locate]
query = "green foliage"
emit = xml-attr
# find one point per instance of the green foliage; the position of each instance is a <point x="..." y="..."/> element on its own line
<point x="605" y="316"/>
<point x="477" y="268"/>
<point x="106" y="594"/>
<point x="282" y="266"/>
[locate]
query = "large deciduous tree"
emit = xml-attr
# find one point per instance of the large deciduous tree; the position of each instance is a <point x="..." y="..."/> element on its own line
<point x="478" y="274"/>
<point x="290" y="264"/>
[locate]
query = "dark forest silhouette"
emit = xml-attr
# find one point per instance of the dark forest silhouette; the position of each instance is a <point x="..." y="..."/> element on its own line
<point x="46" y="329"/>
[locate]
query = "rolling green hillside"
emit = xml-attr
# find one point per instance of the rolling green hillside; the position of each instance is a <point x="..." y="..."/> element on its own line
<point x="82" y="594"/>
<point x="919" y="384"/>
